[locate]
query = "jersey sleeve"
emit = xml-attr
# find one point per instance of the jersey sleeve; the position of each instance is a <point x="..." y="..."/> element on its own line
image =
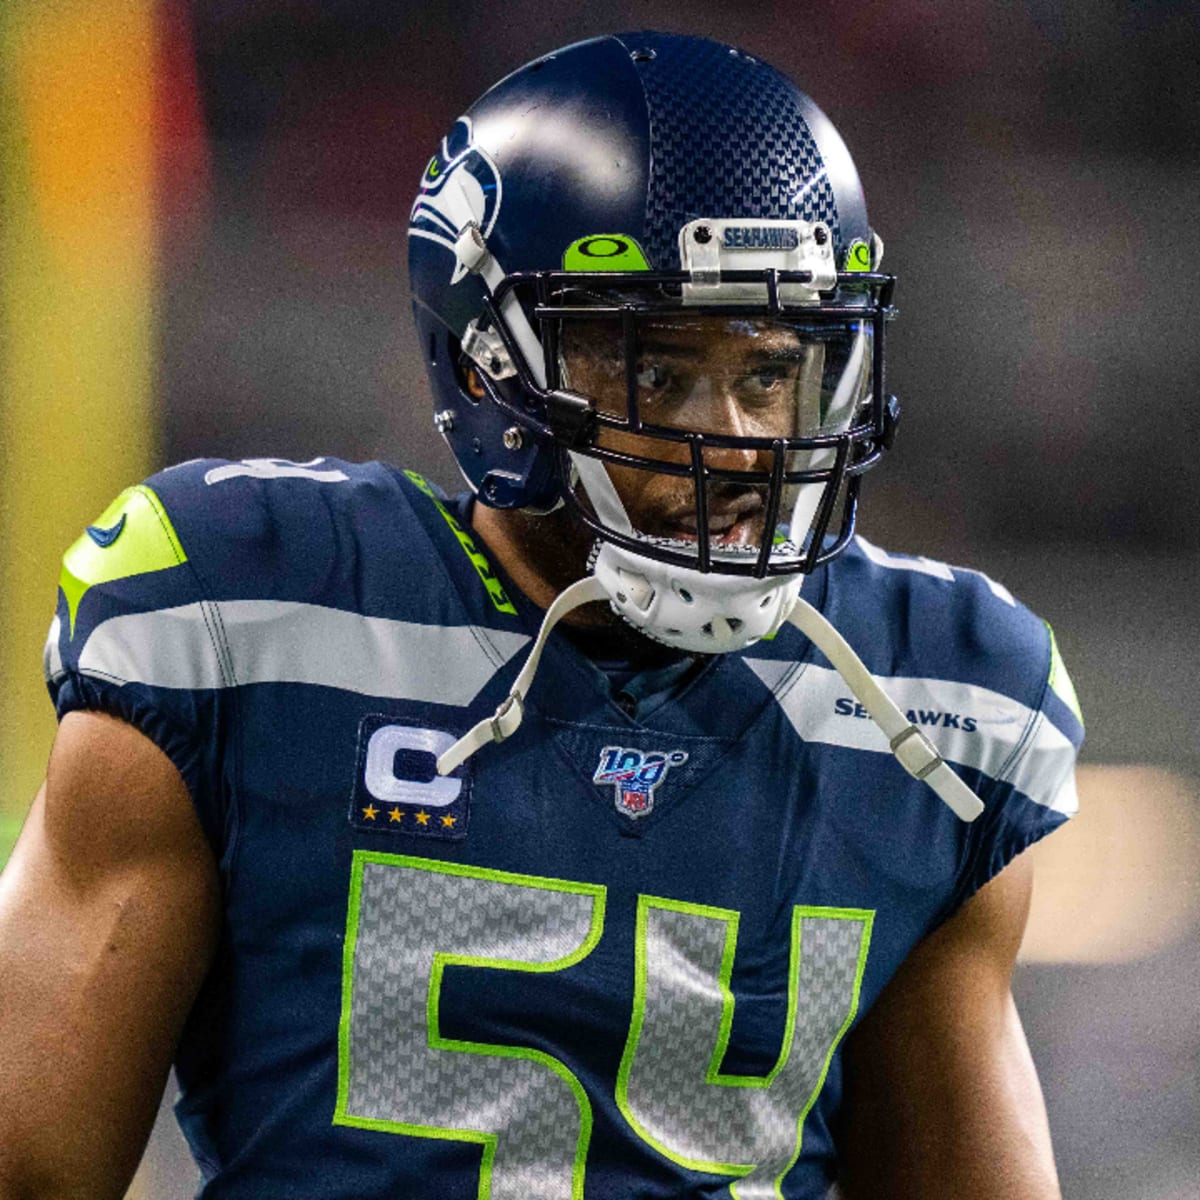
<point x="1032" y="792"/>
<point x="134" y="636"/>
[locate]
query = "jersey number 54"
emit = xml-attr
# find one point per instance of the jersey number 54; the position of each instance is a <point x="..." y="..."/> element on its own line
<point x="409" y="918"/>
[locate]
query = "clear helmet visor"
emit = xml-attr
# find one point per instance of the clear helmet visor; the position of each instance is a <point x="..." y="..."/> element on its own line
<point x="717" y="428"/>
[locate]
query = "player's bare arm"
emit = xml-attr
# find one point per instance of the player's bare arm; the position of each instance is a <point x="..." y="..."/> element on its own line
<point x="942" y="1099"/>
<point x="108" y="918"/>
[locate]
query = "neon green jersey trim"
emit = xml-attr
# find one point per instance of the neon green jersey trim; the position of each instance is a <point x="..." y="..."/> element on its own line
<point x="145" y="542"/>
<point x="867" y="916"/>
<point x="605" y="252"/>
<point x="1060" y="681"/>
<point x="495" y="589"/>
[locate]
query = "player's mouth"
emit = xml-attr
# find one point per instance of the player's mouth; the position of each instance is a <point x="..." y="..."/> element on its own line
<point x="735" y="522"/>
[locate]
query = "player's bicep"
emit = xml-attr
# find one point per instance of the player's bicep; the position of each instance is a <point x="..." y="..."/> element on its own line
<point x="108" y="920"/>
<point x="941" y="1095"/>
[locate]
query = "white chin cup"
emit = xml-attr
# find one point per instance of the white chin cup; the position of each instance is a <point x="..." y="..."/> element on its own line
<point x="690" y="610"/>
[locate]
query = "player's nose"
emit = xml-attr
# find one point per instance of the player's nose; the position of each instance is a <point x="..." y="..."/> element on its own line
<point x="727" y="417"/>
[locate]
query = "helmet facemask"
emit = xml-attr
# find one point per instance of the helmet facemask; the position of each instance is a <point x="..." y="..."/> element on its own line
<point x="716" y="439"/>
<point x="718" y="434"/>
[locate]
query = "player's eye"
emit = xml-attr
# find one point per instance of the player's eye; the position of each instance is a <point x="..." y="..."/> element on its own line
<point x="653" y="376"/>
<point x="766" y="380"/>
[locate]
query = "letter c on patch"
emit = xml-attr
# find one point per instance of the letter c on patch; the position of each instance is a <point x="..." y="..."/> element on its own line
<point x="379" y="772"/>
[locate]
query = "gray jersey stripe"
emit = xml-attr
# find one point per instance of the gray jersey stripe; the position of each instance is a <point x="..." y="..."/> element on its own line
<point x="270" y="641"/>
<point x="1008" y="741"/>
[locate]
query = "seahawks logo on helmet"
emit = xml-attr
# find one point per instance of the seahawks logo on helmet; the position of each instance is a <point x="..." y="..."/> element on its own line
<point x="460" y="184"/>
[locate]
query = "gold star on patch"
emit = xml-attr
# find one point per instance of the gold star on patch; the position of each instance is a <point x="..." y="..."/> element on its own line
<point x="395" y="815"/>
<point x="370" y="812"/>
<point x="448" y="822"/>
<point x="422" y="817"/>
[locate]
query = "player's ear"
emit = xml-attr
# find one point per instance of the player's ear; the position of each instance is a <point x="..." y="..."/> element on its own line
<point x="469" y="376"/>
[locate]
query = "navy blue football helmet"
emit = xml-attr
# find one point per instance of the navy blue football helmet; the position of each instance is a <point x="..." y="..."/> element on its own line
<point x="641" y="266"/>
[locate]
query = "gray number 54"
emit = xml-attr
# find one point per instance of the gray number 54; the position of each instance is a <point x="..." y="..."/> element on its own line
<point x="399" y="1074"/>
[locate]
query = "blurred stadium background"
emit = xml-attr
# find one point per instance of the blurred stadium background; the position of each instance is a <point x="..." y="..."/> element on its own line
<point x="202" y="252"/>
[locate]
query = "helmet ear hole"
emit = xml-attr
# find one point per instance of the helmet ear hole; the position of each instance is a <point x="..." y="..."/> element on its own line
<point x="466" y="374"/>
<point x="474" y="385"/>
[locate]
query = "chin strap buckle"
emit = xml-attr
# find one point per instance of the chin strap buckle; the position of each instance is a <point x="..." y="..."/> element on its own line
<point x="470" y="248"/>
<point x="508" y="717"/>
<point x="915" y="752"/>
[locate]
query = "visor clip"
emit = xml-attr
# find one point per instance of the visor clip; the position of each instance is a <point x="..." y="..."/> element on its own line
<point x="485" y="347"/>
<point x="571" y="418"/>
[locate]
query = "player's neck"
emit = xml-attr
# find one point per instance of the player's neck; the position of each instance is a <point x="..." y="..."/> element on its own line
<point x="541" y="555"/>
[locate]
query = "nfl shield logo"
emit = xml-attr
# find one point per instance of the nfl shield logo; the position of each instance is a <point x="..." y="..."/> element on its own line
<point x="635" y="804"/>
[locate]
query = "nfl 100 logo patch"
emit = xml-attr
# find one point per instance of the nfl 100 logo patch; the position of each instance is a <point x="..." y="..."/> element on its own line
<point x="635" y="774"/>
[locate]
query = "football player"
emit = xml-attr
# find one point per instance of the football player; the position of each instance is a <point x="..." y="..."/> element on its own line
<point x="705" y="890"/>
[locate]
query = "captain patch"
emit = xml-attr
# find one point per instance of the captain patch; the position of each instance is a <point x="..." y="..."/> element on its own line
<point x="396" y="786"/>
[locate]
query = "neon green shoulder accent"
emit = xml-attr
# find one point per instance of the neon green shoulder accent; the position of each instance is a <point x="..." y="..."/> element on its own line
<point x="139" y="538"/>
<point x="1060" y="681"/>
<point x="495" y="589"/>
<point x="605" y="252"/>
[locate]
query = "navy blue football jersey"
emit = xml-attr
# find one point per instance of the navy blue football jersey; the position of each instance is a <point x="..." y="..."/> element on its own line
<point x="615" y="955"/>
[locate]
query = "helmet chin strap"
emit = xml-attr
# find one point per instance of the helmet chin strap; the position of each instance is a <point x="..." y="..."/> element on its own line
<point x="506" y="720"/>
<point x="911" y="747"/>
<point x="471" y="250"/>
<point x="914" y="750"/>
